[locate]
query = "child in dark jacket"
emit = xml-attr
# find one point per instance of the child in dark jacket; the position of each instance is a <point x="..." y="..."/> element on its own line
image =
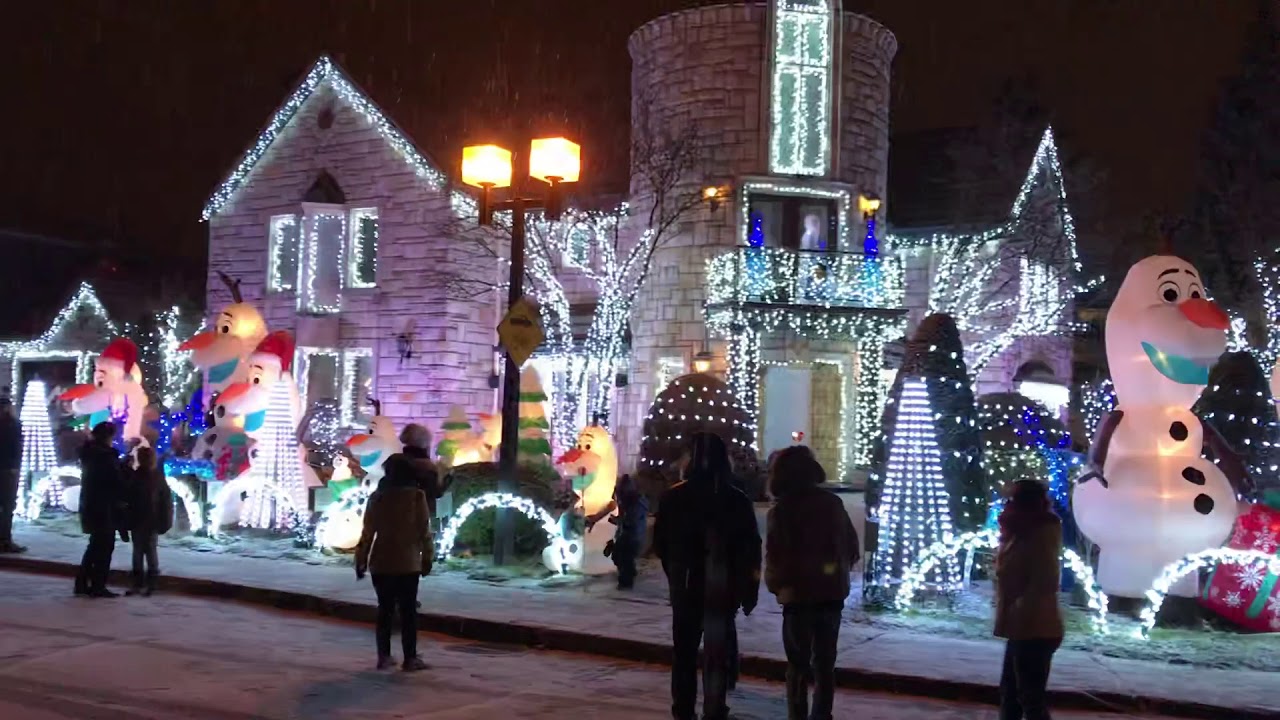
<point x="632" y="523"/>
<point x="150" y="516"/>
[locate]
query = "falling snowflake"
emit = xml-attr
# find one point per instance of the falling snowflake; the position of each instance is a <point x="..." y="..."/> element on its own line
<point x="1266" y="541"/>
<point x="1273" y="606"/>
<point x="1251" y="576"/>
<point x="1234" y="600"/>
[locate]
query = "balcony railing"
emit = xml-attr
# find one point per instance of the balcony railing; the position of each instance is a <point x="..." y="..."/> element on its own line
<point x="782" y="276"/>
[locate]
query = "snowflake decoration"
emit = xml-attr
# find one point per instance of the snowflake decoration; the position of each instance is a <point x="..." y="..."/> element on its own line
<point x="1275" y="623"/>
<point x="1273" y="607"/>
<point x="1213" y="591"/>
<point x="1266" y="540"/>
<point x="1250" y="576"/>
<point x="1234" y="600"/>
<point x="1238" y="536"/>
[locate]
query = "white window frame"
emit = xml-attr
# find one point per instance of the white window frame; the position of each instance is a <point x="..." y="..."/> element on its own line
<point x="308" y="243"/>
<point x="275" y="282"/>
<point x="354" y="217"/>
<point x="346" y="358"/>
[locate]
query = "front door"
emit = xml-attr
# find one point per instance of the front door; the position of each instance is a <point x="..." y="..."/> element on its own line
<point x="786" y="407"/>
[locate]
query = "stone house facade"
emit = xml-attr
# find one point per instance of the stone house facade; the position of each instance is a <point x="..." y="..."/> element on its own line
<point x="337" y="226"/>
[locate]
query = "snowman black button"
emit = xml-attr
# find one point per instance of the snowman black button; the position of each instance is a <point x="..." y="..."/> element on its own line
<point x="1193" y="476"/>
<point x="1203" y="504"/>
<point x="1178" y="431"/>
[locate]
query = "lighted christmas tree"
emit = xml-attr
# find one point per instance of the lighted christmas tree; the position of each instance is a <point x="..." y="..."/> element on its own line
<point x="279" y="462"/>
<point x="914" y="507"/>
<point x="534" y="446"/>
<point x="1237" y="403"/>
<point x="38" y="453"/>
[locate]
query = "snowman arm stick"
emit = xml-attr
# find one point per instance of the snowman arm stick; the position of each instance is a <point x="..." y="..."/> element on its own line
<point x="1100" y="446"/>
<point x="1228" y="460"/>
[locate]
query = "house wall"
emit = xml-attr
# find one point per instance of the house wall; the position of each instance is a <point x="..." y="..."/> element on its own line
<point x="453" y="336"/>
<point x="704" y="72"/>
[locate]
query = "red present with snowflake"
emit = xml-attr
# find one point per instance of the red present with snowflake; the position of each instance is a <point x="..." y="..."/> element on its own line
<point x="1248" y="594"/>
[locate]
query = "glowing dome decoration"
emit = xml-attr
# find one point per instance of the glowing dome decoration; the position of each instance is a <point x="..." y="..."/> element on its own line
<point x="1149" y="497"/>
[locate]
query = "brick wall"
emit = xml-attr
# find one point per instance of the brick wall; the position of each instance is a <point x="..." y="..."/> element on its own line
<point x="453" y="335"/>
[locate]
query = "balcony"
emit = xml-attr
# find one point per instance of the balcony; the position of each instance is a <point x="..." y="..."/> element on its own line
<point x="783" y="277"/>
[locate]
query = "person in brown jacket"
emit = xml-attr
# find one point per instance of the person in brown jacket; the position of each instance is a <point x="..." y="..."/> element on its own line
<point x="810" y="548"/>
<point x="1028" y="564"/>
<point x="395" y="548"/>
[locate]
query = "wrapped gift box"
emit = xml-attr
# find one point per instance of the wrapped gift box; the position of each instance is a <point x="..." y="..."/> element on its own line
<point x="1249" y="595"/>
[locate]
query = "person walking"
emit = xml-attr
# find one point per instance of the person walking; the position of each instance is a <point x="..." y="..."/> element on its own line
<point x="101" y="496"/>
<point x="810" y="548"/>
<point x="10" y="467"/>
<point x="706" y="536"/>
<point x="395" y="549"/>
<point x="150" y="516"/>
<point x="1028" y="571"/>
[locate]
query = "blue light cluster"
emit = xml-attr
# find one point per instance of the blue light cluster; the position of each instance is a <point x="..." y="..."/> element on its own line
<point x="870" y="245"/>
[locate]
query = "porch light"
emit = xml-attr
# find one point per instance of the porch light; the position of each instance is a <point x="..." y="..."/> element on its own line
<point x="486" y="166"/>
<point x="868" y="205"/>
<point x="702" y="362"/>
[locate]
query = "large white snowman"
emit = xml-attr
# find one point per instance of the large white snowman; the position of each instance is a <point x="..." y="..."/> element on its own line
<point x="592" y="466"/>
<point x="1148" y="497"/>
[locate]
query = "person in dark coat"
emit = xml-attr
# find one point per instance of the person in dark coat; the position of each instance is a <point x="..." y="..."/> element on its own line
<point x="632" y="522"/>
<point x="101" y="500"/>
<point x="10" y="467"/>
<point x="706" y="536"/>
<point x="417" y="441"/>
<point x="810" y="548"/>
<point x="150" y="516"/>
<point x="395" y="548"/>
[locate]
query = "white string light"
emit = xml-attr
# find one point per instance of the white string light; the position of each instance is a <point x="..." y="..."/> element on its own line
<point x="279" y="463"/>
<point x="307" y="301"/>
<point x="1175" y="571"/>
<point x="48" y="491"/>
<point x="800" y="138"/>
<point x="38" y="453"/>
<point x="530" y="509"/>
<point x="283" y="256"/>
<point x="363" y="249"/>
<point x="195" y="517"/>
<point x="914" y="506"/>
<point x="246" y="484"/>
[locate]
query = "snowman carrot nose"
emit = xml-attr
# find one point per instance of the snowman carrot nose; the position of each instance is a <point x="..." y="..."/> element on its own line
<point x="1205" y="313"/>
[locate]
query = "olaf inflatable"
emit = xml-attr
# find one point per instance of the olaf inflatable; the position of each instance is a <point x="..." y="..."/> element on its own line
<point x="372" y="449"/>
<point x="1148" y="497"/>
<point x="266" y="367"/>
<point x="116" y="391"/>
<point x="592" y="464"/>
<point x="221" y="353"/>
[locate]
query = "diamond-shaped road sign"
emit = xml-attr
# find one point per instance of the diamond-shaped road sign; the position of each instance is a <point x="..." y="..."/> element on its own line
<point x="520" y="331"/>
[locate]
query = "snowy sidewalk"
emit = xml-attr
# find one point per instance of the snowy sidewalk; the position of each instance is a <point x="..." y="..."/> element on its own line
<point x="595" y="618"/>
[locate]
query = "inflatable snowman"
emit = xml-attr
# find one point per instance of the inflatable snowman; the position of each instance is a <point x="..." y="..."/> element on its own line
<point x="1147" y="497"/>
<point x="266" y="367"/>
<point x="592" y="465"/>
<point x="116" y="391"/>
<point x="220" y="353"/>
<point x="371" y="449"/>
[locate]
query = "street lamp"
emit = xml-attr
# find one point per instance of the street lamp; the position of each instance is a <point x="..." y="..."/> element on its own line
<point x="554" y="161"/>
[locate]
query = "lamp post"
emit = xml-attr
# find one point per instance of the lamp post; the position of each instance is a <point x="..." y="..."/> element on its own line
<point x="555" y="161"/>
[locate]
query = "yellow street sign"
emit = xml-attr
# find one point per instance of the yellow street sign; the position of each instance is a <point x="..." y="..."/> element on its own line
<point x="520" y="331"/>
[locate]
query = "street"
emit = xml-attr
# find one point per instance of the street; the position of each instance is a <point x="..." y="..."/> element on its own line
<point x="171" y="656"/>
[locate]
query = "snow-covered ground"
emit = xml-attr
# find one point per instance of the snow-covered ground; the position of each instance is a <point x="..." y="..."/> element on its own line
<point x="168" y="656"/>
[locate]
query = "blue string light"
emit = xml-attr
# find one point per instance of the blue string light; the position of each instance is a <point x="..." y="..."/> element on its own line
<point x="870" y="245"/>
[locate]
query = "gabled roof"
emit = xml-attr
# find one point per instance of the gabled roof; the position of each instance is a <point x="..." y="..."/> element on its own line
<point x="84" y="298"/>
<point x="325" y="71"/>
<point x="995" y="210"/>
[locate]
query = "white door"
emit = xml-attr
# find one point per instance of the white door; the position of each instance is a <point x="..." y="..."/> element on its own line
<point x="786" y="406"/>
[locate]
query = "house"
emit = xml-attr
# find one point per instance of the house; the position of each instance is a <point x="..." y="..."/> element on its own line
<point x="343" y="231"/>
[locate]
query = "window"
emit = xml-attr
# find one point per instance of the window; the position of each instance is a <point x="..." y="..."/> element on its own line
<point x="669" y="368"/>
<point x="362" y="263"/>
<point x="800" y="138"/>
<point x="798" y="223"/>
<point x="320" y="282"/>
<point x="342" y="375"/>
<point x="282" y="257"/>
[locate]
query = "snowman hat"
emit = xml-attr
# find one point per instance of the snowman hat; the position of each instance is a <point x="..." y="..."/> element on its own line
<point x="122" y="351"/>
<point x="277" y="346"/>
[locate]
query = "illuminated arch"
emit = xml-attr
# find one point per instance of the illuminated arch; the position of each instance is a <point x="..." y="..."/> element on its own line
<point x="914" y="577"/>
<point x="526" y="506"/>
<point x="190" y="504"/>
<point x="1175" y="571"/>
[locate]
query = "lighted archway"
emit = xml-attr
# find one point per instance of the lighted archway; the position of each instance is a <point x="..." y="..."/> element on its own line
<point x="914" y="577"/>
<point x="529" y="508"/>
<point x="1175" y="571"/>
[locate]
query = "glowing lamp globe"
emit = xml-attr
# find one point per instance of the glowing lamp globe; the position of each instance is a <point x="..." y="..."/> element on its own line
<point x="702" y="362"/>
<point x="555" y="160"/>
<point x="486" y="166"/>
<point x="868" y="205"/>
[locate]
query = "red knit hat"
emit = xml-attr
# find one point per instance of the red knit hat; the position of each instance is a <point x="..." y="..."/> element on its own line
<point x="123" y="351"/>
<point x="279" y="344"/>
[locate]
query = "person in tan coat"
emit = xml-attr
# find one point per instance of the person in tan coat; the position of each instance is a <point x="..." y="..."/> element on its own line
<point x="395" y="548"/>
<point x="1028" y="564"/>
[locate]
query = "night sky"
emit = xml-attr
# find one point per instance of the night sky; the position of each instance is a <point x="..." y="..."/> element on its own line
<point x="122" y="115"/>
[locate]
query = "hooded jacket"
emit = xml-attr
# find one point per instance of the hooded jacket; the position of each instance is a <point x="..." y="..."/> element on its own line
<point x="810" y="548"/>
<point x="707" y="539"/>
<point x="1028" y="569"/>
<point x="101" y="488"/>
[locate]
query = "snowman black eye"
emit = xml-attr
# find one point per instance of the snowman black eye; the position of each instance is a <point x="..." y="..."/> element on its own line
<point x="1195" y="292"/>
<point x="225" y="329"/>
<point x="1169" y="291"/>
<point x="222" y="411"/>
<point x="257" y="381"/>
